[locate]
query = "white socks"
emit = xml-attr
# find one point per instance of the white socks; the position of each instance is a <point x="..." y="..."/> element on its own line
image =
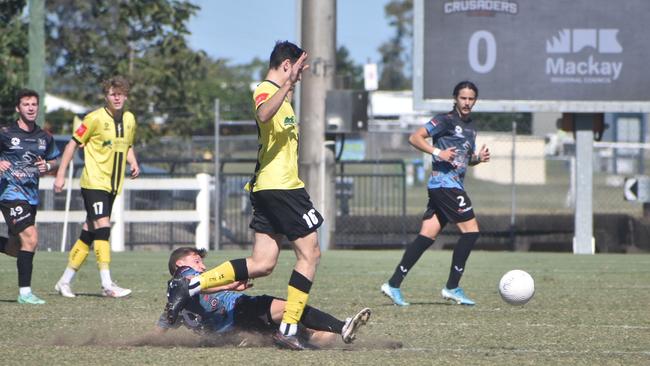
<point x="195" y="285"/>
<point x="68" y="275"/>
<point x="105" y="275"/>
<point x="288" y="329"/>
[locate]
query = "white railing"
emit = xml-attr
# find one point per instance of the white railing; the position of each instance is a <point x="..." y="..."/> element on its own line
<point x="120" y="216"/>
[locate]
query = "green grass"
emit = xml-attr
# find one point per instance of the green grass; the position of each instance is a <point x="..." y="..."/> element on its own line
<point x="588" y="310"/>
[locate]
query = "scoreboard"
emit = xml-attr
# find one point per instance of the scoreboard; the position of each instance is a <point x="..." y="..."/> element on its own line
<point x="534" y="55"/>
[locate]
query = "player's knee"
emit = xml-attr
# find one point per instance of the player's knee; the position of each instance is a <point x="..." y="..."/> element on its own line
<point x="29" y="239"/>
<point x="102" y="233"/>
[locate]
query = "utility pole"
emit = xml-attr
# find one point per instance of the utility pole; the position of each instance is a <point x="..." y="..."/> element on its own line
<point x="37" y="53"/>
<point x="318" y="35"/>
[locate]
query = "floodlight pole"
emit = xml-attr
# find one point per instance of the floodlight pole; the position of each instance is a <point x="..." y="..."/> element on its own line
<point x="36" y="55"/>
<point x="583" y="240"/>
<point x="217" y="178"/>
<point x="318" y="36"/>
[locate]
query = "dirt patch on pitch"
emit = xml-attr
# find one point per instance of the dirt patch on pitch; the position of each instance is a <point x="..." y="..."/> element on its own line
<point x="187" y="339"/>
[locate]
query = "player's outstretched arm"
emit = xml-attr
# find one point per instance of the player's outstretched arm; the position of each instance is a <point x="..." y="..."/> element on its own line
<point x="66" y="157"/>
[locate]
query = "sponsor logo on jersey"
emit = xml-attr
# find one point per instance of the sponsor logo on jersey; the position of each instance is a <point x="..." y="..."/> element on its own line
<point x="81" y="130"/>
<point x="290" y="121"/>
<point x="261" y="98"/>
<point x="107" y="143"/>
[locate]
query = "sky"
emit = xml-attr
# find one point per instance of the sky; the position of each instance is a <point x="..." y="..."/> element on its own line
<point x="243" y="29"/>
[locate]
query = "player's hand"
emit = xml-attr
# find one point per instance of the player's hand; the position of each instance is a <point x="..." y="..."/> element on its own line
<point x="135" y="171"/>
<point x="237" y="286"/>
<point x="41" y="165"/>
<point x="484" y="154"/>
<point x="448" y="154"/>
<point x="59" y="183"/>
<point x="297" y="68"/>
<point x="4" y="166"/>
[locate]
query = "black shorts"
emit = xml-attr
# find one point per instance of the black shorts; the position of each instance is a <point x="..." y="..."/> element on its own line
<point x="19" y="215"/>
<point x="98" y="203"/>
<point x="450" y="205"/>
<point x="254" y="313"/>
<point x="287" y="212"/>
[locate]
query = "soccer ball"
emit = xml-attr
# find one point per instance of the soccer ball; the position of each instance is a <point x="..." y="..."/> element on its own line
<point x="516" y="287"/>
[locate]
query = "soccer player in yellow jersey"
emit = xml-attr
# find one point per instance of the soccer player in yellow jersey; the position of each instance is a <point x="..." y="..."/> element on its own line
<point x="281" y="205"/>
<point x="106" y="135"/>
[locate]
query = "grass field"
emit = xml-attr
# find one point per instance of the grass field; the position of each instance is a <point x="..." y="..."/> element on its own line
<point x="588" y="310"/>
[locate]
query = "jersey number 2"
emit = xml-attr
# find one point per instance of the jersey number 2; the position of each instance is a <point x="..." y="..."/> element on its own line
<point x="461" y="201"/>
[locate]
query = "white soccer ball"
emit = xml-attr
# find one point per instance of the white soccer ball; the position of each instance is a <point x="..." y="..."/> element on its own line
<point x="516" y="287"/>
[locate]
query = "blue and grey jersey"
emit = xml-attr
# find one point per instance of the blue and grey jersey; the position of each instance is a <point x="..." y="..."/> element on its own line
<point x="449" y="130"/>
<point x="205" y="312"/>
<point x="23" y="149"/>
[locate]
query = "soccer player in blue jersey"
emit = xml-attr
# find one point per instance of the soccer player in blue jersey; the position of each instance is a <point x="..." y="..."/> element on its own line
<point x="223" y="308"/>
<point x="453" y="150"/>
<point x="26" y="152"/>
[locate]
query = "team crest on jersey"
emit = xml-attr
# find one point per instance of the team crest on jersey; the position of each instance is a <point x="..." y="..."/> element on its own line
<point x="15" y="144"/>
<point x="106" y="127"/>
<point x="41" y="144"/>
<point x="458" y="131"/>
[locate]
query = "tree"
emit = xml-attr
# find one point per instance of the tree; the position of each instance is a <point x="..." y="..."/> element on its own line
<point x="143" y="40"/>
<point x="394" y="55"/>
<point x="348" y="74"/>
<point x="13" y="55"/>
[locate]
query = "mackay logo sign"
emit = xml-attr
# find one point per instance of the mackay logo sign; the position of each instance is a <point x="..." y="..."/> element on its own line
<point x="584" y="56"/>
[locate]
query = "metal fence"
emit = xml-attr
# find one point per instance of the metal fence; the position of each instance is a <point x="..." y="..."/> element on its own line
<point x="526" y="193"/>
<point x="366" y="191"/>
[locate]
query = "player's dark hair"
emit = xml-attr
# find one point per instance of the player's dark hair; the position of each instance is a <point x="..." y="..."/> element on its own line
<point x="117" y="83"/>
<point x="24" y="93"/>
<point x="465" y="85"/>
<point x="181" y="253"/>
<point x="284" y="50"/>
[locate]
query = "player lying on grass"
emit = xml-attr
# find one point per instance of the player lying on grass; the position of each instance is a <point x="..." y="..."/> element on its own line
<point x="224" y="308"/>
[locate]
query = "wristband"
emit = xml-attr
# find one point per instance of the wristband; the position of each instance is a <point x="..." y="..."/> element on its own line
<point x="48" y="167"/>
<point x="436" y="152"/>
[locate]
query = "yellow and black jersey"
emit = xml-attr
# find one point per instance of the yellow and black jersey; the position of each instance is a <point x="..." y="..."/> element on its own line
<point x="106" y="142"/>
<point x="277" y="157"/>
